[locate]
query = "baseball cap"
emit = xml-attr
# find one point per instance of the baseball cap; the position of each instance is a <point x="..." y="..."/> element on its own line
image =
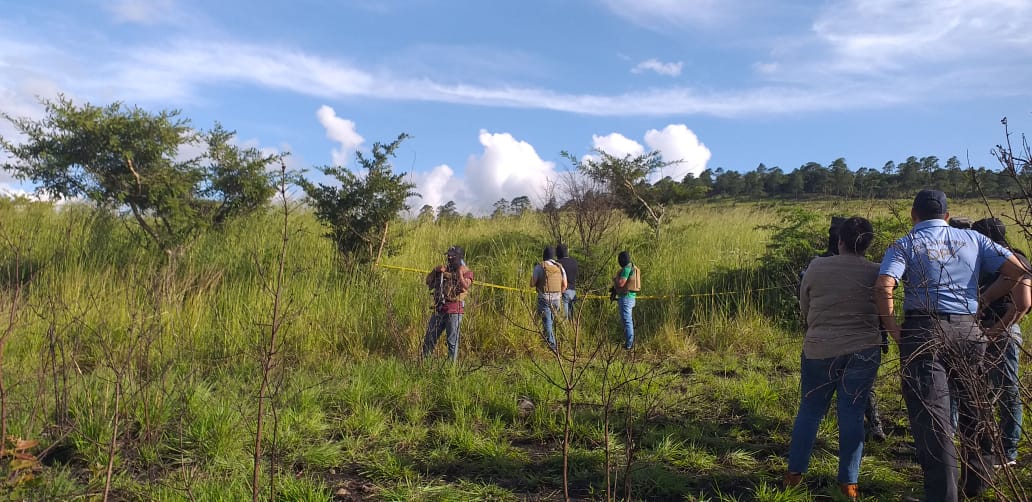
<point x="456" y="251"/>
<point x="930" y="201"/>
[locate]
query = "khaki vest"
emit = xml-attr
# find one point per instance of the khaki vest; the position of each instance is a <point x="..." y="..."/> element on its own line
<point x="552" y="279"/>
<point x="633" y="284"/>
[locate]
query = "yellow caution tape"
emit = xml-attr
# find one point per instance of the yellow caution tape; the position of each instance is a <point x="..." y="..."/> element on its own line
<point x="594" y="297"/>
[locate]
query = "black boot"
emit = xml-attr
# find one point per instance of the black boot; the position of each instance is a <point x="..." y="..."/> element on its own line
<point x="873" y="421"/>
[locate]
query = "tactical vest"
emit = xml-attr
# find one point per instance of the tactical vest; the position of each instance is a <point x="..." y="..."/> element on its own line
<point x="454" y="290"/>
<point x="633" y="284"/>
<point x="552" y="280"/>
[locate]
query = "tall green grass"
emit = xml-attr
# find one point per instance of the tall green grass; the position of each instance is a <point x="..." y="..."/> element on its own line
<point x="354" y="408"/>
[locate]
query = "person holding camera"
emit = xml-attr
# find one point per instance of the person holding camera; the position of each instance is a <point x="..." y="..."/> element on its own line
<point x="626" y="286"/>
<point x="449" y="284"/>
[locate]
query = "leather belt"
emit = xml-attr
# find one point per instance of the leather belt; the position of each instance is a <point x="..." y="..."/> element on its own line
<point x="944" y="316"/>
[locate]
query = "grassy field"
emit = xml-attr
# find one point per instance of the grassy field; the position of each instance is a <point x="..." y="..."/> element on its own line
<point x="145" y="383"/>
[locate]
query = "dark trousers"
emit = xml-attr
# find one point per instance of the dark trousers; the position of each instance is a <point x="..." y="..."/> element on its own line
<point x="939" y="355"/>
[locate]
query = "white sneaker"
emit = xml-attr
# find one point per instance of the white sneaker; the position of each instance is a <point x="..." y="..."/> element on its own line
<point x="1009" y="463"/>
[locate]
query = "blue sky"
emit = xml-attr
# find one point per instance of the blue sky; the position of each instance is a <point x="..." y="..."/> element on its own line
<point x="492" y="91"/>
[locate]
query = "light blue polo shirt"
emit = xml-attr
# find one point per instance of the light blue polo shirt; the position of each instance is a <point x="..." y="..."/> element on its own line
<point x="939" y="266"/>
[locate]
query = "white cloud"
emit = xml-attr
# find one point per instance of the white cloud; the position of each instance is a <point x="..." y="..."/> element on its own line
<point x="507" y="168"/>
<point x="855" y="54"/>
<point x="867" y="36"/>
<point x="436" y="187"/>
<point x="342" y="131"/>
<point x="675" y="142"/>
<point x="13" y="190"/>
<point x="617" y="145"/>
<point x="148" y="12"/>
<point x="662" y="13"/>
<point x="655" y="65"/>
<point x="176" y="73"/>
<point x="678" y="142"/>
<point x="958" y="48"/>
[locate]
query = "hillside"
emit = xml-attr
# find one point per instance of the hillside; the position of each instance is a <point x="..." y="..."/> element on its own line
<point x="145" y="383"/>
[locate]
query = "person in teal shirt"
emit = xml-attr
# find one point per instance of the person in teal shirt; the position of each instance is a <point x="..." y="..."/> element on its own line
<point x="626" y="285"/>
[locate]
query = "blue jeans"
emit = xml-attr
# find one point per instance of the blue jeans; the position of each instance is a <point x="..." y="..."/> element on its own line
<point x="547" y="308"/>
<point x="568" y="297"/>
<point x="851" y="378"/>
<point x="1002" y="360"/>
<point x="439" y="322"/>
<point x="626" y="305"/>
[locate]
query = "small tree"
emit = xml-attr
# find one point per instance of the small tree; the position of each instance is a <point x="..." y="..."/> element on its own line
<point x="125" y="157"/>
<point x="520" y="205"/>
<point x="626" y="179"/>
<point x="359" y="211"/>
<point x="501" y="208"/>
<point x="448" y="212"/>
<point x="426" y="213"/>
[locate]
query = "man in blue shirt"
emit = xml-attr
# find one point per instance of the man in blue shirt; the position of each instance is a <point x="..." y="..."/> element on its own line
<point x="941" y="344"/>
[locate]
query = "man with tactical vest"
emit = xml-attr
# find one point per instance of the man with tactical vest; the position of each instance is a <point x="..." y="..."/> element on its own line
<point x="549" y="278"/>
<point x="449" y="284"/>
<point x="626" y="285"/>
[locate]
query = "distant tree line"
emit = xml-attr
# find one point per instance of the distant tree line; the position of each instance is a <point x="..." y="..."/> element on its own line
<point x="837" y="179"/>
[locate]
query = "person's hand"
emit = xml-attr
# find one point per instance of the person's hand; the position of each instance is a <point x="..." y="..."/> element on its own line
<point x="993" y="333"/>
<point x="441" y="268"/>
<point x="896" y="334"/>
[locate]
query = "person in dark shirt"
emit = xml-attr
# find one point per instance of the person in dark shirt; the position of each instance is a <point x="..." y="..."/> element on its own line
<point x="1003" y="350"/>
<point x="570" y="266"/>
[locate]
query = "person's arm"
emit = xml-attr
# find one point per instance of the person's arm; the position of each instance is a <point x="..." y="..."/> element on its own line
<point x="534" y="276"/>
<point x="884" y="303"/>
<point x="804" y="298"/>
<point x="564" y="277"/>
<point x="1011" y="272"/>
<point x="1021" y="296"/>
<point x="466" y="278"/>
<point x="621" y="277"/>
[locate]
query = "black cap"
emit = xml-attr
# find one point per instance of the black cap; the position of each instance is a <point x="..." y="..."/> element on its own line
<point x="456" y="252"/>
<point x="930" y="202"/>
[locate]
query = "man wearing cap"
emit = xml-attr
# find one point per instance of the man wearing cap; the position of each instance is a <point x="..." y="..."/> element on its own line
<point x="449" y="284"/>
<point x="941" y="343"/>
<point x="549" y="279"/>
